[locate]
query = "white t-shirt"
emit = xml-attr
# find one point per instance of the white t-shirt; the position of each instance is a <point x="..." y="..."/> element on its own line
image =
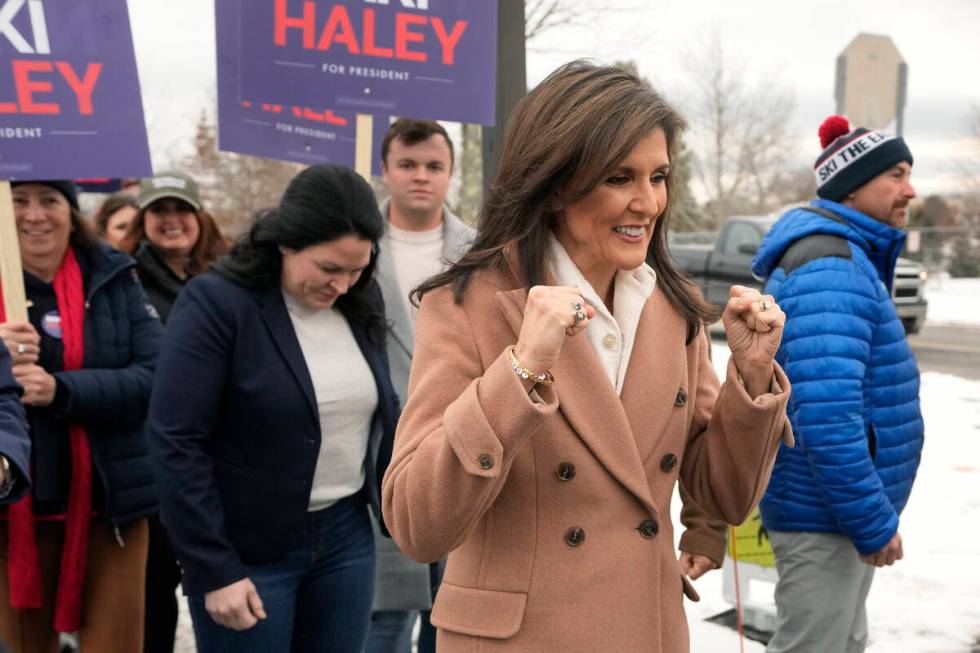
<point x="346" y="398"/>
<point x="417" y="256"/>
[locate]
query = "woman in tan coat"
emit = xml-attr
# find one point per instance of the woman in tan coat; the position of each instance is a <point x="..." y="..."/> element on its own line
<point x="561" y="386"/>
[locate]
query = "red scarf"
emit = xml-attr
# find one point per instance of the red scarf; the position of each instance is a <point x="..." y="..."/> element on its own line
<point x="23" y="569"/>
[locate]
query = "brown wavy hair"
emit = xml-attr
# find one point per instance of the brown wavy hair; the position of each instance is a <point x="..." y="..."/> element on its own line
<point x="112" y="204"/>
<point x="564" y="138"/>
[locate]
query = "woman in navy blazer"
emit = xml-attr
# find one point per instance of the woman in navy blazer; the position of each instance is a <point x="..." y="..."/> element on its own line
<point x="249" y="438"/>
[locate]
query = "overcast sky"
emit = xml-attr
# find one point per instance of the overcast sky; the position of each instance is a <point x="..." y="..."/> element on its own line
<point x="792" y="44"/>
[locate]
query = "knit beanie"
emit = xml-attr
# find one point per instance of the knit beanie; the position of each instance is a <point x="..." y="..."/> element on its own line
<point x="64" y="186"/>
<point x="853" y="157"/>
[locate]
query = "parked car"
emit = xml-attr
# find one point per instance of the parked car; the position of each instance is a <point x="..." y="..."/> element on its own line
<point x="728" y="261"/>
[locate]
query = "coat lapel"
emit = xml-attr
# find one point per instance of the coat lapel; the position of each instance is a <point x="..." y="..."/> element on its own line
<point x="590" y="404"/>
<point x="658" y="354"/>
<point x="283" y="335"/>
<point x="400" y="325"/>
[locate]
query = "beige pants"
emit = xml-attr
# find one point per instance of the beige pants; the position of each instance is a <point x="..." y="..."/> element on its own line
<point x="112" y="598"/>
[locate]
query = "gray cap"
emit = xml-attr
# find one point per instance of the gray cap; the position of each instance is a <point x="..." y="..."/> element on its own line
<point x="169" y="184"/>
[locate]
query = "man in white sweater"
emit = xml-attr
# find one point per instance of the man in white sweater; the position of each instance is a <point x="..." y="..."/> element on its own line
<point x="422" y="237"/>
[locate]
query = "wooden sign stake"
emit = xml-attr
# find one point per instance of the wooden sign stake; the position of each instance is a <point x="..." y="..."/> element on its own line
<point x="11" y="272"/>
<point x="364" y="147"/>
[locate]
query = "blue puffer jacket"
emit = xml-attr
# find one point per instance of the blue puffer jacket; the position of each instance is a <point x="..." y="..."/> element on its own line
<point x="855" y="402"/>
<point x="109" y="395"/>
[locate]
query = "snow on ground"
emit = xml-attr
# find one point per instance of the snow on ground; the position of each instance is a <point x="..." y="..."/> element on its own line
<point x="953" y="302"/>
<point x="930" y="601"/>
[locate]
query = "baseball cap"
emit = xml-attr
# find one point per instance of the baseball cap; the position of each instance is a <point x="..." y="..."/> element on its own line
<point x="169" y="184"/>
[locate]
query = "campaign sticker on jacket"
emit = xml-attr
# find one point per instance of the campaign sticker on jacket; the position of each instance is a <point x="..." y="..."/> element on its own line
<point x="51" y="323"/>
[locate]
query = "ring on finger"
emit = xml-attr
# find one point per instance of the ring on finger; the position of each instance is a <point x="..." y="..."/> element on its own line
<point x="21" y="348"/>
<point x="763" y="306"/>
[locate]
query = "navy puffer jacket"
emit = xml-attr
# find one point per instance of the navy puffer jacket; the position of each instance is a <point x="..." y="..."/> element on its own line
<point x="109" y="395"/>
<point x="855" y="402"/>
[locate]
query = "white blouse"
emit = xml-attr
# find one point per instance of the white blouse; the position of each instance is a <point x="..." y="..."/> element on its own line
<point x="611" y="334"/>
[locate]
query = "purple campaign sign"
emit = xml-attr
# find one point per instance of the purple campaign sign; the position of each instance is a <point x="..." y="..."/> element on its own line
<point x="277" y="131"/>
<point x="415" y="58"/>
<point x="69" y="94"/>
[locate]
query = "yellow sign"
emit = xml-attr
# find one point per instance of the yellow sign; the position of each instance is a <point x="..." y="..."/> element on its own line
<point x="750" y="542"/>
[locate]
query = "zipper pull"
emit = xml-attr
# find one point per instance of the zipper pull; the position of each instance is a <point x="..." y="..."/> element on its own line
<point x="119" y="539"/>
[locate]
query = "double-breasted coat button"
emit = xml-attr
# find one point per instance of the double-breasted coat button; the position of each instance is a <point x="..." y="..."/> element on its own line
<point x="648" y="529"/>
<point x="681" y="397"/>
<point x="485" y="461"/>
<point x="574" y="536"/>
<point x="565" y="472"/>
<point x="668" y="462"/>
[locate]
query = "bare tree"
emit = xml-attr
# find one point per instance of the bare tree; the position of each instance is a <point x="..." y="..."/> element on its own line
<point x="234" y="187"/>
<point x="790" y="186"/>
<point x="970" y="165"/>
<point x="685" y="214"/>
<point x="741" y="133"/>
<point x="541" y="16"/>
<point x="471" y="173"/>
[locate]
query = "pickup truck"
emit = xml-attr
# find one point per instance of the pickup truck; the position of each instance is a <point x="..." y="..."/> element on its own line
<point x="728" y="261"/>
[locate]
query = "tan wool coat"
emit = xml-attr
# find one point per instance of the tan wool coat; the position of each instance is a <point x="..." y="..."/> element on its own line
<point x="553" y="505"/>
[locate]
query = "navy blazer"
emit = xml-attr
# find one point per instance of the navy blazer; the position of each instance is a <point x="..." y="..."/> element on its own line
<point x="234" y="429"/>
<point x="15" y="443"/>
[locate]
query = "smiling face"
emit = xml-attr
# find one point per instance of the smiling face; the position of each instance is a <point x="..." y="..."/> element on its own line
<point x="171" y="224"/>
<point x="610" y="228"/>
<point x="319" y="274"/>
<point x="43" y="219"/>
<point x="886" y="197"/>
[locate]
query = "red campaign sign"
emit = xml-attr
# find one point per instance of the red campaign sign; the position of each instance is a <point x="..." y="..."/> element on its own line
<point x="69" y="93"/>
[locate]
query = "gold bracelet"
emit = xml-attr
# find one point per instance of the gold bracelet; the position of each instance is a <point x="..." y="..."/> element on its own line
<point x="544" y="378"/>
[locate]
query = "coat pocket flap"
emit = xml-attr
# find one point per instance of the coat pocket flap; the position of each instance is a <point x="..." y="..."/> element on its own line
<point x="482" y="613"/>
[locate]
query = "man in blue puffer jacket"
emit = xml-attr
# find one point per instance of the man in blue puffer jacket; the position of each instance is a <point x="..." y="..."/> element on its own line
<point x="833" y="503"/>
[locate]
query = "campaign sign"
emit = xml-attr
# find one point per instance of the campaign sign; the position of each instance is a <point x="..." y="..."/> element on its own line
<point x="431" y="59"/>
<point x="99" y="185"/>
<point x="70" y="101"/>
<point x="290" y="133"/>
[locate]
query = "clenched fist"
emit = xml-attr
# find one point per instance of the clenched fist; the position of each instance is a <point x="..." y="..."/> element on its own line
<point x="551" y="314"/>
<point x="236" y="606"/>
<point x="754" y="327"/>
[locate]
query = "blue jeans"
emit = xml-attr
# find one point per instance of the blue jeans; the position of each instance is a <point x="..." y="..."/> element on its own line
<point x="317" y="598"/>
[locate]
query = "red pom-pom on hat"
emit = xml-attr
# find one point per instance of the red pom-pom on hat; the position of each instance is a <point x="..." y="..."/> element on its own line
<point x="831" y="128"/>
